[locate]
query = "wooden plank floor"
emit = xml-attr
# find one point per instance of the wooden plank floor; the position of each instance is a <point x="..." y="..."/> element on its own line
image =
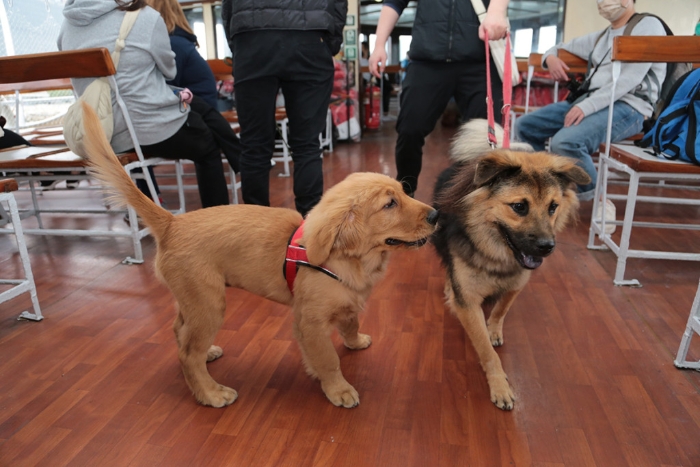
<point x="97" y="383"/>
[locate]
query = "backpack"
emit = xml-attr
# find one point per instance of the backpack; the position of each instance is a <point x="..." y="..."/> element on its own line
<point x="98" y="95"/>
<point x="673" y="134"/>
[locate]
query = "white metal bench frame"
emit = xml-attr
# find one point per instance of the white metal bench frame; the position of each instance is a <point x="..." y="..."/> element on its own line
<point x="639" y="49"/>
<point x="19" y="286"/>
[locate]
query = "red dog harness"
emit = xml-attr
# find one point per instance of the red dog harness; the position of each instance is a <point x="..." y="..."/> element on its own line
<point x="296" y="256"/>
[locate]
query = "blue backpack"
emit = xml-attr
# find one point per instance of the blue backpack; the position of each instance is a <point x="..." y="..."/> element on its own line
<point x="674" y="133"/>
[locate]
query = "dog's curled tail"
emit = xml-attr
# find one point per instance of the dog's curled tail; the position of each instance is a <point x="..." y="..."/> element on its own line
<point x="471" y="141"/>
<point x="120" y="188"/>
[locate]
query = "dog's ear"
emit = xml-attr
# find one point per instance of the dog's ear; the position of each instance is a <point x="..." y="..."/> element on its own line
<point x="569" y="171"/>
<point x="494" y="164"/>
<point x="328" y="229"/>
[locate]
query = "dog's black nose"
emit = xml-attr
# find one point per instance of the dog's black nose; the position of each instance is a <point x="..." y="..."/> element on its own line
<point x="545" y="246"/>
<point x="433" y="217"/>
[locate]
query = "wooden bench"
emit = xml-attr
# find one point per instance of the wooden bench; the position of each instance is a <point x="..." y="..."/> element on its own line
<point x="637" y="164"/>
<point x="26" y="284"/>
<point x="575" y="63"/>
<point x="33" y="164"/>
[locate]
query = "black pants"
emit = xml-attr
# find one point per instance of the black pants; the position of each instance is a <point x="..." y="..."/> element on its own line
<point x="195" y="141"/>
<point x="426" y="90"/>
<point x="300" y="63"/>
<point x="221" y="130"/>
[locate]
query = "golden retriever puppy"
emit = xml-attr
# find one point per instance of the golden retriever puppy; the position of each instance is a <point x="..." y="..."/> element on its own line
<point x="499" y="213"/>
<point x="346" y="240"/>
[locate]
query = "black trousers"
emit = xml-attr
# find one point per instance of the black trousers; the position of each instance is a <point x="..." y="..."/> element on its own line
<point x="224" y="136"/>
<point x="196" y="142"/>
<point x="426" y="90"/>
<point x="299" y="63"/>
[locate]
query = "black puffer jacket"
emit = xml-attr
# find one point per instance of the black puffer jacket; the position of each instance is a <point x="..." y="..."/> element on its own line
<point x="305" y="15"/>
<point x="444" y="30"/>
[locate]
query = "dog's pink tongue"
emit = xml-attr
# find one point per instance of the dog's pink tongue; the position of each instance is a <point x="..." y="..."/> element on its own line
<point x="532" y="262"/>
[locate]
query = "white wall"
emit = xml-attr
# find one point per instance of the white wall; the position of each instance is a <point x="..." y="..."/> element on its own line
<point x="581" y="16"/>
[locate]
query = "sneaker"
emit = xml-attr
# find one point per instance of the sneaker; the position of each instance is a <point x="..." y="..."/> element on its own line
<point x="609" y="216"/>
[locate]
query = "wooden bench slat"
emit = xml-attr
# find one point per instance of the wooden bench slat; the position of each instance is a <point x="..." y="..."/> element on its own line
<point x="37" y="86"/>
<point x="656" y="49"/>
<point x="8" y="185"/>
<point x="84" y="63"/>
<point x="639" y="160"/>
<point x="44" y="158"/>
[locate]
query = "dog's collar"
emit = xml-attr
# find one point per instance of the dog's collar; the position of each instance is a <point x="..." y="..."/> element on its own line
<point x="296" y="256"/>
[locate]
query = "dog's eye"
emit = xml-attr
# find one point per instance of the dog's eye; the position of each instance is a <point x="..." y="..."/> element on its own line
<point x="553" y="207"/>
<point x="391" y="204"/>
<point x="520" y="209"/>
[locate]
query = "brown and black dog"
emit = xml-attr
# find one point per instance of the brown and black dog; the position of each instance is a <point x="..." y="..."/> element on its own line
<point x="351" y="233"/>
<point x="499" y="213"/>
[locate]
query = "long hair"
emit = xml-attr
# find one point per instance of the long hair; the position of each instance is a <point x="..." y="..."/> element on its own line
<point x="172" y="14"/>
<point x="130" y="5"/>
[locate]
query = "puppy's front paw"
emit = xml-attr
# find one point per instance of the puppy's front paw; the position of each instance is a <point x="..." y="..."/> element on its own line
<point x="342" y="395"/>
<point x="361" y="342"/>
<point x="501" y="393"/>
<point x="214" y="352"/>
<point x="219" y="397"/>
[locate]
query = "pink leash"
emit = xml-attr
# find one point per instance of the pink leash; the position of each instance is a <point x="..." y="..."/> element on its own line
<point x="507" y="94"/>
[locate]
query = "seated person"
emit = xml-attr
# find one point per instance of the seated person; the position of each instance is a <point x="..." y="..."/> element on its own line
<point x="578" y="125"/>
<point x="164" y="127"/>
<point x="194" y="73"/>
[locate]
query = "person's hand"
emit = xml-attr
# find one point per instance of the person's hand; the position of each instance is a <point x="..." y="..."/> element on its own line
<point x="573" y="116"/>
<point x="496" y="24"/>
<point x="377" y="61"/>
<point x="557" y="68"/>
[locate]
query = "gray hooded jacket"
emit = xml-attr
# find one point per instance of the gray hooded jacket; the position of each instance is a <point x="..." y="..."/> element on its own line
<point x="145" y="63"/>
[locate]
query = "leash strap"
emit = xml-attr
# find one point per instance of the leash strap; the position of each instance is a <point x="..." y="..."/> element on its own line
<point x="507" y="94"/>
<point x="296" y="256"/>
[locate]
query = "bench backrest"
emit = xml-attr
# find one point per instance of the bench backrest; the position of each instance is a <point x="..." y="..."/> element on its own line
<point x="657" y="49"/>
<point x="85" y="63"/>
<point x="221" y="69"/>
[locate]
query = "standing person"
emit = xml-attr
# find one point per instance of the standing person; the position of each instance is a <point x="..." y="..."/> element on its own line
<point x="163" y="128"/>
<point x="448" y="59"/>
<point x="289" y="46"/>
<point x="578" y="125"/>
<point x="194" y="73"/>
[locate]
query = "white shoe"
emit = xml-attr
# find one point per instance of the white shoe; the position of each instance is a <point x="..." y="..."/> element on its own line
<point x="609" y="216"/>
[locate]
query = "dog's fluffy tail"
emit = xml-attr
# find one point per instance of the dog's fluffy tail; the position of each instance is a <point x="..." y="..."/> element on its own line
<point x="120" y="188"/>
<point x="471" y="141"/>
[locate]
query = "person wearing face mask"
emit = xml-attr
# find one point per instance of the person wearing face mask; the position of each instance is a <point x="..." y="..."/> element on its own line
<point x="578" y="125"/>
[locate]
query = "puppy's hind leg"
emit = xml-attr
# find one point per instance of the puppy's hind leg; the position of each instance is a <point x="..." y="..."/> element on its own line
<point x="348" y="329"/>
<point x="498" y="315"/>
<point x="197" y="323"/>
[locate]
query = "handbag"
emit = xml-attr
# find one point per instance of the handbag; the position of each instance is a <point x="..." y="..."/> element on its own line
<point x="98" y="95"/>
<point x="498" y="48"/>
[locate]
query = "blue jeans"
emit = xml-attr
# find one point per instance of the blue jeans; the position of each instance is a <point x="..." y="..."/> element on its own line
<point x="577" y="141"/>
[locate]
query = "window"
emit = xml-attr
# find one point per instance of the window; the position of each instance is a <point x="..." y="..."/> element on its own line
<point x="195" y="16"/>
<point x="29" y="26"/>
<point x="404" y="46"/>
<point x="222" y="48"/>
<point x="548" y="38"/>
<point x="522" y="42"/>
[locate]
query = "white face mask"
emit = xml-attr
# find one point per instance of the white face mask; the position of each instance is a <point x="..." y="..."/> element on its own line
<point x="612" y="10"/>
